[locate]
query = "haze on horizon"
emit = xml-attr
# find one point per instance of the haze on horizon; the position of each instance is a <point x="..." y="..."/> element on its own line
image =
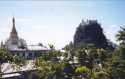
<point x="56" y="21"/>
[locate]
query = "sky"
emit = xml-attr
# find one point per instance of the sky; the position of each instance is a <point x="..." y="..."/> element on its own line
<point x="55" y="22"/>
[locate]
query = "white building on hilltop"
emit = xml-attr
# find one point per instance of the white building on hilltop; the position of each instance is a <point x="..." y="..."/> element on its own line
<point x="18" y="46"/>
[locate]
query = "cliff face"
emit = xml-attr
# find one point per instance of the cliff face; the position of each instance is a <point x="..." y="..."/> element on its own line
<point x="90" y="32"/>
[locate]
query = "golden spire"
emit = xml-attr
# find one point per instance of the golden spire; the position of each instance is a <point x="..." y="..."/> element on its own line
<point x="14" y="29"/>
<point x="13" y="32"/>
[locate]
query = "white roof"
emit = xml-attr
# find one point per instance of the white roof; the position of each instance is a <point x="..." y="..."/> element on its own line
<point x="9" y="68"/>
<point x="36" y="47"/>
<point x="30" y="47"/>
<point x="10" y="75"/>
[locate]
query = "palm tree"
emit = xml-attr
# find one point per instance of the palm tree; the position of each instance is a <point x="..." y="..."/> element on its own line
<point x="121" y="35"/>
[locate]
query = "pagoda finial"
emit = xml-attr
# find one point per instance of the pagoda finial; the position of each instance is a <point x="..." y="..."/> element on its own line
<point x="13" y="21"/>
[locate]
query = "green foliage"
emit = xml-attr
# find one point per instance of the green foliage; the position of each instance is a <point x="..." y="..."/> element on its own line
<point x="93" y="62"/>
<point x="5" y="56"/>
<point x="48" y="66"/>
<point x="121" y="35"/>
<point x="118" y="63"/>
<point x="82" y="69"/>
<point x="101" y="75"/>
<point x="20" y="61"/>
<point x="49" y="69"/>
<point x="53" y="54"/>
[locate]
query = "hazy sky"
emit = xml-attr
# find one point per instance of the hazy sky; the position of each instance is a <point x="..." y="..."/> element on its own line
<point x="56" y="21"/>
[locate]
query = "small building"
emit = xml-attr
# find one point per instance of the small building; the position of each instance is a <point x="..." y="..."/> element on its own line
<point x="18" y="46"/>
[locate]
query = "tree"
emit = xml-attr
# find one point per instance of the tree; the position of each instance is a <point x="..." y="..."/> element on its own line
<point x="83" y="71"/>
<point x="121" y="38"/>
<point x="52" y="54"/>
<point x="93" y="58"/>
<point x="4" y="57"/>
<point x="121" y="35"/>
<point x="49" y="70"/>
<point x="116" y="62"/>
<point x="7" y="57"/>
<point x="49" y="66"/>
